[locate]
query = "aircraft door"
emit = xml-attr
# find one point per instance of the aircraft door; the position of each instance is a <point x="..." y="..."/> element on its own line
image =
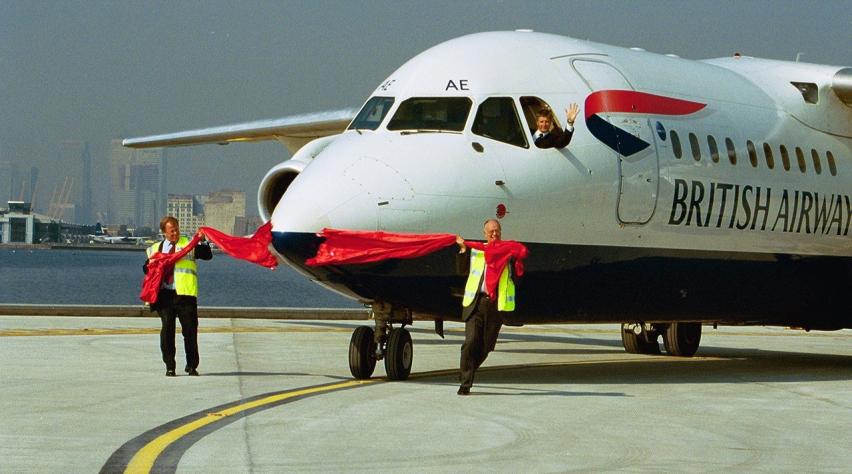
<point x="638" y="170"/>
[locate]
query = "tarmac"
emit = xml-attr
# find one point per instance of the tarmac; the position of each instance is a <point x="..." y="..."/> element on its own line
<point x="86" y="394"/>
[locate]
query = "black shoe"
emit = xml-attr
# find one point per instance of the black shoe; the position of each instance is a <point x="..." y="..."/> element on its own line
<point x="171" y="373"/>
<point x="464" y="391"/>
<point x="192" y="372"/>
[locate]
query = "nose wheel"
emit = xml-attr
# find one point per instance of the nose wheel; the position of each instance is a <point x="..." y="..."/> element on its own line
<point x="362" y="353"/>
<point x="397" y="350"/>
<point x="399" y="354"/>
<point x="394" y="345"/>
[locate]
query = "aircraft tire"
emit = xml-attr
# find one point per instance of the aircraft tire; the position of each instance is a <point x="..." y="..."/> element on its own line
<point x="682" y="339"/>
<point x="400" y="353"/>
<point x="636" y="344"/>
<point x="362" y="359"/>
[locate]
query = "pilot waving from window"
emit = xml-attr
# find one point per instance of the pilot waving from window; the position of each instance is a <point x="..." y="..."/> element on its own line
<point x="548" y="135"/>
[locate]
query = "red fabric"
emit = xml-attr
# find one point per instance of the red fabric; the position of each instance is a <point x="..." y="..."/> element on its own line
<point x="254" y="249"/>
<point x="355" y="246"/>
<point x="497" y="256"/>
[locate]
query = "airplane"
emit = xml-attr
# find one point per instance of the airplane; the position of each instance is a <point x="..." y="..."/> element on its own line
<point x="694" y="192"/>
<point x="101" y="236"/>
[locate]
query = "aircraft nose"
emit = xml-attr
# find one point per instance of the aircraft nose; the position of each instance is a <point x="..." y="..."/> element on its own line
<point x="299" y="212"/>
<point x="380" y="180"/>
<point x="338" y="194"/>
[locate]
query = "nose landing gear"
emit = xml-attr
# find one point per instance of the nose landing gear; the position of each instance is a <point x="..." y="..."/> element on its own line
<point x="394" y="345"/>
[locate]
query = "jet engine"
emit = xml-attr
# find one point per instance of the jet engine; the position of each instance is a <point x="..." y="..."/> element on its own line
<point x="278" y="179"/>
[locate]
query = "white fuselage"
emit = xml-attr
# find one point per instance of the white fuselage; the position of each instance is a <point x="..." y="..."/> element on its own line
<point x="587" y="193"/>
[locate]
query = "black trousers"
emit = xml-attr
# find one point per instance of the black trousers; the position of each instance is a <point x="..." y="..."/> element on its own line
<point x="480" y="337"/>
<point x="171" y="306"/>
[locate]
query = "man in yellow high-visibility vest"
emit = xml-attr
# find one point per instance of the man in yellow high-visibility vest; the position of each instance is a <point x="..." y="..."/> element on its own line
<point x="480" y="312"/>
<point x="178" y="296"/>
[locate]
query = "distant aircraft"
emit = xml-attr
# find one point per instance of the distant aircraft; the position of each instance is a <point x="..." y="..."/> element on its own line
<point x="694" y="192"/>
<point x="101" y="236"/>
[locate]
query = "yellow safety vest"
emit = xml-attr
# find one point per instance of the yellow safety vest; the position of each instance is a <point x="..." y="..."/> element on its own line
<point x="505" y="287"/>
<point x="186" y="271"/>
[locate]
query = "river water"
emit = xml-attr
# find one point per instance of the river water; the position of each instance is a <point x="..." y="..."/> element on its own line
<point x="41" y="276"/>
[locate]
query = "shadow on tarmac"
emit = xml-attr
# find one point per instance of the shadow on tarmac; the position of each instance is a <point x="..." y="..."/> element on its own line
<point x="710" y="365"/>
<point x="476" y="391"/>
<point x="254" y="374"/>
<point x="736" y="367"/>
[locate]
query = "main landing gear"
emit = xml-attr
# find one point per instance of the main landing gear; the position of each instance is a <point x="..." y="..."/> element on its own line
<point x="679" y="339"/>
<point x="394" y="345"/>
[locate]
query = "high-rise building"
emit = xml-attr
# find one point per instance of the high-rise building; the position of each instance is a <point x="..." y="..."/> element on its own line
<point x="85" y="212"/>
<point x="186" y="209"/>
<point x="137" y="186"/>
<point x="71" y="199"/>
<point x="222" y="207"/>
<point x="6" y="182"/>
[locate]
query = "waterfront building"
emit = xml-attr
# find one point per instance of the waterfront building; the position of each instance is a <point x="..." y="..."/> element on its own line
<point x="187" y="210"/>
<point x="223" y="207"/>
<point x="20" y="225"/>
<point x="246" y="225"/>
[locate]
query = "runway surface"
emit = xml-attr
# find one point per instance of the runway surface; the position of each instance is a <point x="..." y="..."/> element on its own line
<point x="86" y="394"/>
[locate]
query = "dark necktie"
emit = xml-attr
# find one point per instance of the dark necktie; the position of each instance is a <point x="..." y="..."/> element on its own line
<point x="170" y="274"/>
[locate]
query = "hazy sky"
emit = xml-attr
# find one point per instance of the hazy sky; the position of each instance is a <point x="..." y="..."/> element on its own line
<point x="98" y="70"/>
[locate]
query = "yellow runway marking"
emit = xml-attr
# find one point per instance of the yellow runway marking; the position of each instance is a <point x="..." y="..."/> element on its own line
<point x="145" y="458"/>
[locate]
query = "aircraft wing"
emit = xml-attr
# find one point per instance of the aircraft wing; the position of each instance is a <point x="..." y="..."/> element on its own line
<point x="293" y="131"/>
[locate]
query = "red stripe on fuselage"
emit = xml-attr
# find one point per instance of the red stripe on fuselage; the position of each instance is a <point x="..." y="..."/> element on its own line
<point x="638" y="103"/>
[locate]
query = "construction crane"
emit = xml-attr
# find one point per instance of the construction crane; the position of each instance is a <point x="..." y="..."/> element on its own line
<point x="60" y="198"/>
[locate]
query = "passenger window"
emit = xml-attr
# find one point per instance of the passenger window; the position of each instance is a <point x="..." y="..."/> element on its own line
<point x="785" y="158"/>
<point x="372" y="114"/>
<point x="832" y="167"/>
<point x="714" y="150"/>
<point x="531" y="106"/>
<point x="678" y="151"/>
<point x="802" y="166"/>
<point x="815" y="156"/>
<point x="693" y="144"/>
<point x="431" y="114"/>
<point x="752" y="153"/>
<point x="732" y="151"/>
<point x="770" y="160"/>
<point x="497" y="119"/>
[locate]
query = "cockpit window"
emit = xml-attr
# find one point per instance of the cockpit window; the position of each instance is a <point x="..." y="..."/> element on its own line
<point x="532" y="106"/>
<point x="372" y="114"/>
<point x="498" y="119"/>
<point x="431" y="114"/>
